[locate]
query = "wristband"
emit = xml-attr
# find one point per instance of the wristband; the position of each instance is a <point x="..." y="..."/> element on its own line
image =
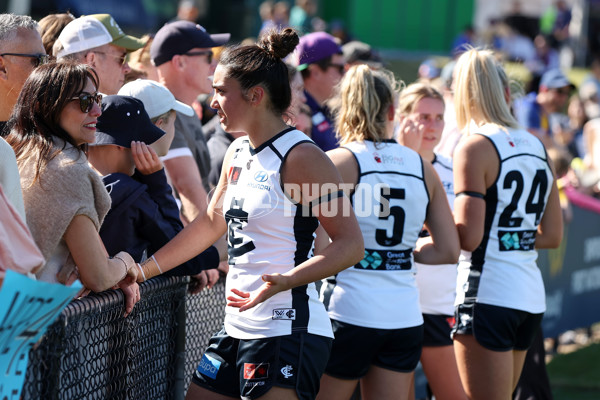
<point x="156" y="262"/>
<point x="124" y="263"/>
<point x="141" y="270"/>
<point x="150" y="268"/>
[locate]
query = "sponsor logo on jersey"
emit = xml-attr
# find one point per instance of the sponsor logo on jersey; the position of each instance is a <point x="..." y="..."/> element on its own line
<point x="249" y="163"/>
<point x="287" y="314"/>
<point x="287" y="371"/>
<point x="388" y="159"/>
<point x="209" y="366"/>
<point x="256" y="371"/>
<point x="254" y="383"/>
<point x="386" y="260"/>
<point x="234" y="175"/>
<point x="261" y="176"/>
<point x="371" y="260"/>
<point x="259" y="186"/>
<point x="516" y="240"/>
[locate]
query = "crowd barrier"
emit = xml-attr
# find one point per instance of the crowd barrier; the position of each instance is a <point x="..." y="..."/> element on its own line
<point x="92" y="352"/>
<point x="572" y="271"/>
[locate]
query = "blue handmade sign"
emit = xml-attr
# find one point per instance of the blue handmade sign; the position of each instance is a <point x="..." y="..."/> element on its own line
<point x="27" y="308"/>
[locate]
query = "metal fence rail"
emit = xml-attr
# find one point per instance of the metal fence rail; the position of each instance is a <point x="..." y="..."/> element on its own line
<point x="92" y="352"/>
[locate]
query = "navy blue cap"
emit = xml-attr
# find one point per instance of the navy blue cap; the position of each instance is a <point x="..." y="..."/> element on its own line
<point x="124" y="120"/>
<point x="179" y="37"/>
<point x="555" y="79"/>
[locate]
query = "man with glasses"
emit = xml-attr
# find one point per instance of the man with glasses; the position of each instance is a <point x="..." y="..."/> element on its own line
<point x="321" y="63"/>
<point x="98" y="41"/>
<point x="181" y="52"/>
<point x="21" y="50"/>
<point x="542" y="113"/>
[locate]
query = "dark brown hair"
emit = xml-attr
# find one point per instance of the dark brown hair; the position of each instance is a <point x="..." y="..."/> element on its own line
<point x="35" y="120"/>
<point x="262" y="64"/>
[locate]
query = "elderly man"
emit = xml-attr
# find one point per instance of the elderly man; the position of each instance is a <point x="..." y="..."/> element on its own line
<point x="97" y="40"/>
<point x="21" y="50"/>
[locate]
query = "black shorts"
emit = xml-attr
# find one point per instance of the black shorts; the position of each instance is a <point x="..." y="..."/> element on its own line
<point x="437" y="330"/>
<point x="250" y="368"/>
<point x="356" y="348"/>
<point x="497" y="328"/>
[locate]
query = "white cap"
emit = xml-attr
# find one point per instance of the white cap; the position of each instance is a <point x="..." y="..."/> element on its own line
<point x="157" y="98"/>
<point x="83" y="33"/>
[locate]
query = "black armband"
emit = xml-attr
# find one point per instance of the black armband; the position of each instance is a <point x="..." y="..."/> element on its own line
<point x="327" y="198"/>
<point x="471" y="194"/>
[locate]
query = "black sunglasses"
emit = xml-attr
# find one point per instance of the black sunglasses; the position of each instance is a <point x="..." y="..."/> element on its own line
<point x="87" y="100"/>
<point x="340" y="67"/>
<point x="39" y="58"/>
<point x="209" y="54"/>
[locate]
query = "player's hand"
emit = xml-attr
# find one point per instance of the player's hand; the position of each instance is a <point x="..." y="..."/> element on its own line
<point x="274" y="284"/>
<point x="410" y="133"/>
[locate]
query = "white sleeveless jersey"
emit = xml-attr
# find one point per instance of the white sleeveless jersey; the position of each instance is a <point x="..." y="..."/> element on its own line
<point x="437" y="283"/>
<point x="502" y="271"/>
<point x="268" y="233"/>
<point x="390" y="202"/>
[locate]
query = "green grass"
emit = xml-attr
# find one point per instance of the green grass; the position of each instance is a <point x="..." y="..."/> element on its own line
<point x="576" y="375"/>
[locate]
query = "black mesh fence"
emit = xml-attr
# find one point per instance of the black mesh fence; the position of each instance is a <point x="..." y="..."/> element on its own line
<point x="92" y="352"/>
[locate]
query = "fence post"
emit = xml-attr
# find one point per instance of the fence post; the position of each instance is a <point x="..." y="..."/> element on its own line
<point x="179" y="388"/>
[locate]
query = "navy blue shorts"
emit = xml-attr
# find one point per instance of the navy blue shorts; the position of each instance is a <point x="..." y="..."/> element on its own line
<point x="497" y="328"/>
<point x="437" y="330"/>
<point x="250" y="368"/>
<point x="356" y="348"/>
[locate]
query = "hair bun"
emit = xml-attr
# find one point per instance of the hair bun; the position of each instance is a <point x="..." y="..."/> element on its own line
<point x="279" y="43"/>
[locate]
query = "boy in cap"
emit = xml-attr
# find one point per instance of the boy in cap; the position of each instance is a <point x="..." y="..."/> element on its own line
<point x="321" y="63"/>
<point x="98" y="41"/>
<point x="182" y="54"/>
<point x="143" y="215"/>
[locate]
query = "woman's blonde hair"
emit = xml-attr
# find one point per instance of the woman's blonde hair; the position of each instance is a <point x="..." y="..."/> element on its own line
<point x="415" y="92"/>
<point x="479" y="91"/>
<point x="362" y="106"/>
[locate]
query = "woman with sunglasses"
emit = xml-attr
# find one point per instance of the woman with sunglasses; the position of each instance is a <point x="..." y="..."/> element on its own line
<point x="276" y="186"/>
<point x="65" y="200"/>
<point x="374" y="305"/>
<point x="506" y="207"/>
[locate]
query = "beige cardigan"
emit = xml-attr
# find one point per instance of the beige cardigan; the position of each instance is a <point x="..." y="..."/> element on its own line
<point x="66" y="187"/>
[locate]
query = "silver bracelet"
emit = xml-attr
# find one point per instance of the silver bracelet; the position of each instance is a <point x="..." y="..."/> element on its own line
<point x="124" y="263"/>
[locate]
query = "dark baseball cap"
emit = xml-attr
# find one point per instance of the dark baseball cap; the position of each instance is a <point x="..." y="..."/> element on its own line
<point x="124" y="120"/>
<point x="314" y="47"/>
<point x="179" y="37"/>
<point x="360" y="52"/>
